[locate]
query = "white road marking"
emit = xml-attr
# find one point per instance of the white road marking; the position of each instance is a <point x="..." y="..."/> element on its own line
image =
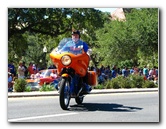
<point x="37" y="117"/>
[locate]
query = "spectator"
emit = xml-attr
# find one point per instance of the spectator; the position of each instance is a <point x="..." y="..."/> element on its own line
<point x="12" y="68"/>
<point x="10" y="83"/>
<point x="38" y="74"/>
<point x="140" y="72"/>
<point x="150" y="77"/>
<point x="54" y="74"/>
<point x="30" y="69"/>
<point x="119" y="71"/>
<point x="21" y="70"/>
<point x="132" y="70"/>
<point x="107" y="72"/>
<point x="124" y="72"/>
<point x="37" y="69"/>
<point x="101" y="78"/>
<point x="136" y="70"/>
<point x="154" y="72"/>
<point x="151" y="72"/>
<point x="102" y="69"/>
<point x="145" y="71"/>
<point x="26" y="70"/>
<point x="34" y="68"/>
<point x="33" y="76"/>
<point x="113" y="72"/>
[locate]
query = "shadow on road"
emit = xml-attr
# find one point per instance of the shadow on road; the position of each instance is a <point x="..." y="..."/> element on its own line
<point x="103" y="107"/>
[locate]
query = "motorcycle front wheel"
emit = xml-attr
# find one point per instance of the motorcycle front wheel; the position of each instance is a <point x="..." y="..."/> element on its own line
<point x="64" y="96"/>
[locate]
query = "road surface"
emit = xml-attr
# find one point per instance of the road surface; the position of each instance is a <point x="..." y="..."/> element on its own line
<point x="116" y="107"/>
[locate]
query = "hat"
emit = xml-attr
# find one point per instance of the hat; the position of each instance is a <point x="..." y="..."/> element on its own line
<point x="76" y="32"/>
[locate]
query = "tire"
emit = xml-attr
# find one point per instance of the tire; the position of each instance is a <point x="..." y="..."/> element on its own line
<point x="79" y="99"/>
<point x="64" y="94"/>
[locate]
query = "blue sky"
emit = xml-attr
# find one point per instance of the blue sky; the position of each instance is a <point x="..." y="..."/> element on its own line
<point x="106" y="9"/>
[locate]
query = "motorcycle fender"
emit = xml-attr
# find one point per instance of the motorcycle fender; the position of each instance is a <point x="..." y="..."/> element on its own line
<point x="65" y="75"/>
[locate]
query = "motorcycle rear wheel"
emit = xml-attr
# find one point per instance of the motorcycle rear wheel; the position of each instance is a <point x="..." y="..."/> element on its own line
<point x="64" y="96"/>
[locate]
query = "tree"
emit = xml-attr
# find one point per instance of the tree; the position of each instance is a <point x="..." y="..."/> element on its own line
<point x="55" y="23"/>
<point x="52" y="21"/>
<point x="121" y="41"/>
<point x="148" y="33"/>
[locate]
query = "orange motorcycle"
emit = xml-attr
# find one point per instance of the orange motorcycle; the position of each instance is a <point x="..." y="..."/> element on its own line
<point x="72" y="65"/>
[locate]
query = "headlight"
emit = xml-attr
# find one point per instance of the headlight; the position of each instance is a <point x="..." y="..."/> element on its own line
<point x="66" y="60"/>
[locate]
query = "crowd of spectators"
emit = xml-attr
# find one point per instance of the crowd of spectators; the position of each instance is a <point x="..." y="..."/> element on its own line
<point x="105" y="73"/>
<point x="22" y="71"/>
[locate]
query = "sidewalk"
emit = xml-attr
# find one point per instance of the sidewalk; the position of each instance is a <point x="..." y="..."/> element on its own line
<point x="94" y="91"/>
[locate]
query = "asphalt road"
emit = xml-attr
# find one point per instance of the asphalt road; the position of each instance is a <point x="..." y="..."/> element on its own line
<point x="116" y="107"/>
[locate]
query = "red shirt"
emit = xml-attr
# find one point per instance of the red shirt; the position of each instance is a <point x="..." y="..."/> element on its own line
<point x="30" y="70"/>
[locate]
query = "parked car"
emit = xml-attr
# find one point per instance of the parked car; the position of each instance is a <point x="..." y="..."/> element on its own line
<point x="45" y="76"/>
<point x="33" y="83"/>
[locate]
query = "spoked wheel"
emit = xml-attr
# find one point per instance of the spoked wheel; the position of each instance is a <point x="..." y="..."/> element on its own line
<point x="64" y="96"/>
<point x="79" y="99"/>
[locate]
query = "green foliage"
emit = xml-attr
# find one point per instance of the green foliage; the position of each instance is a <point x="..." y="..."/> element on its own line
<point x="99" y="86"/>
<point x="53" y="21"/>
<point x="19" y="85"/>
<point x="30" y="29"/>
<point x="114" y="84"/>
<point x="107" y="84"/>
<point x="149" y="84"/>
<point x="119" y="82"/>
<point x="132" y="81"/>
<point x="126" y="63"/>
<point x="136" y="80"/>
<point x="120" y="41"/>
<point x="28" y="88"/>
<point x="46" y="87"/>
<point x="131" y="42"/>
<point x="126" y="83"/>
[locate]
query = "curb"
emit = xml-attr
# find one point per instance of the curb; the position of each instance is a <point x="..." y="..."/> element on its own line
<point x="94" y="91"/>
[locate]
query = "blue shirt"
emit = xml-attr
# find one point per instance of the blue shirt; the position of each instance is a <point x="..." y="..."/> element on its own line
<point x="113" y="73"/>
<point x="85" y="46"/>
<point x="131" y="70"/>
<point x="77" y="44"/>
<point x="12" y="68"/>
